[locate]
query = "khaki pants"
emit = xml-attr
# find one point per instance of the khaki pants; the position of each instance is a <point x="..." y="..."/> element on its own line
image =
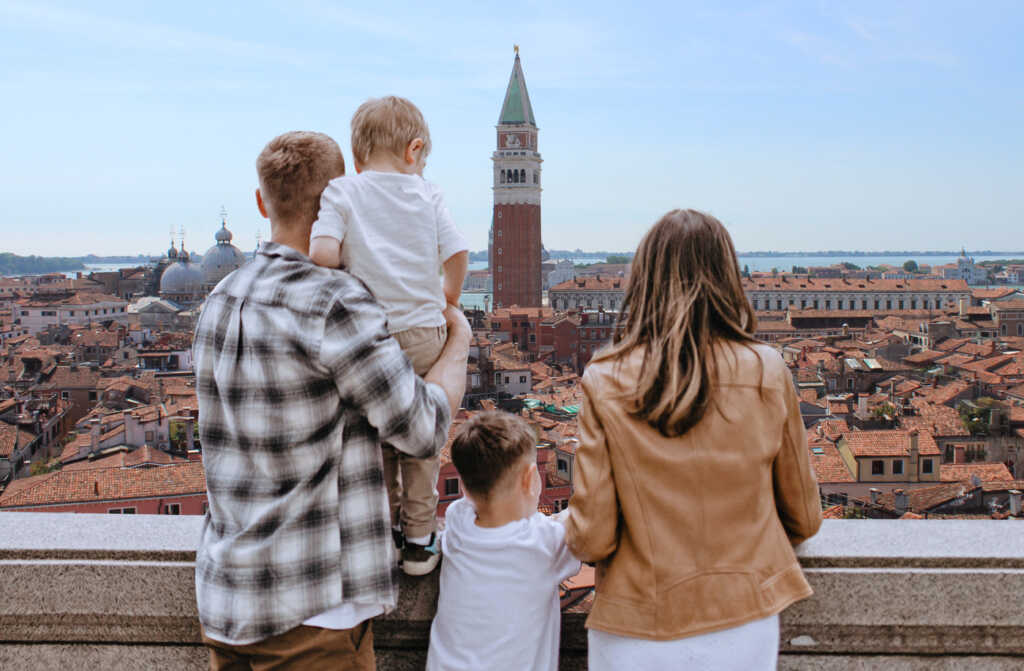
<point x="412" y="482"/>
<point x="302" y="648"/>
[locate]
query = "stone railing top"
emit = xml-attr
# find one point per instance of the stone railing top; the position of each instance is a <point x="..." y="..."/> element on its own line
<point x="840" y="543"/>
<point x="84" y="536"/>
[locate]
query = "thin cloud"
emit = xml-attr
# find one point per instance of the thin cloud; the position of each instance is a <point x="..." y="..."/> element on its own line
<point x="138" y="35"/>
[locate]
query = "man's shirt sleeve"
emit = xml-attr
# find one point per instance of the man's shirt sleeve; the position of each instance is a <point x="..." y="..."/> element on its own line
<point x="376" y="379"/>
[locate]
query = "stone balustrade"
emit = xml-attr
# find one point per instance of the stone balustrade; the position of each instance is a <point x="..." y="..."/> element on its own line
<point x="116" y="592"/>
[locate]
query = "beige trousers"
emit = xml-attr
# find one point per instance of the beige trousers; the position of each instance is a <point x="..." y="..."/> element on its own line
<point x="412" y="482"/>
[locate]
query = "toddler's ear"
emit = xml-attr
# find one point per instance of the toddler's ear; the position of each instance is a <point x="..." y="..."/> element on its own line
<point x="413" y="151"/>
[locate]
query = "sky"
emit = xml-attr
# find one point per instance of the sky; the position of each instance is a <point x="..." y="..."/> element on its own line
<point x="801" y="125"/>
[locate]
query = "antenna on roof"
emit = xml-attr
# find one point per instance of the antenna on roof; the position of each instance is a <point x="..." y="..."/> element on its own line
<point x="223" y="215"/>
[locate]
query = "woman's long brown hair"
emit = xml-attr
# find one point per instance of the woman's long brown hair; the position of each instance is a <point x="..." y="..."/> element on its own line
<point x="684" y="297"/>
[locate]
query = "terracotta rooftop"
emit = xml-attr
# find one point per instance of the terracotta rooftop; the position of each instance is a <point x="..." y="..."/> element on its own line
<point x="108" y="484"/>
<point x="986" y="472"/>
<point x="925" y="498"/>
<point x="9" y="434"/>
<point x="828" y="465"/>
<point x="802" y="283"/>
<point x="889" y="443"/>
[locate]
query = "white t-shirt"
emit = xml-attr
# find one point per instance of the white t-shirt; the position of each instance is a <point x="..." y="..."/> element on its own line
<point x="498" y="607"/>
<point x="395" y="232"/>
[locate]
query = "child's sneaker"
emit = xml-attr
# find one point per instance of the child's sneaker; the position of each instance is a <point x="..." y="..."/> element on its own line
<point x="399" y="538"/>
<point x="421" y="559"/>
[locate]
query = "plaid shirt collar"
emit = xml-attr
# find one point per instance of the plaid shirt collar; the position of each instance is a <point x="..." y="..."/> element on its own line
<point x="298" y="385"/>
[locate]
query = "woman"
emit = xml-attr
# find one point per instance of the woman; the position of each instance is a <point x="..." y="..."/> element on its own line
<point x="692" y="478"/>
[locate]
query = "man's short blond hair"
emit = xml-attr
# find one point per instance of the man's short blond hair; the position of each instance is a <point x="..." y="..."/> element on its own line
<point x="389" y="124"/>
<point x="293" y="170"/>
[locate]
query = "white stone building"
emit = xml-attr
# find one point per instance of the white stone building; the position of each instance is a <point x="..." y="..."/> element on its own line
<point x="801" y="292"/>
<point x="40" y="312"/>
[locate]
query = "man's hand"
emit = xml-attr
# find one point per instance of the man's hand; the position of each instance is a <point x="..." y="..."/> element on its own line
<point x="457" y="323"/>
<point x="450" y="369"/>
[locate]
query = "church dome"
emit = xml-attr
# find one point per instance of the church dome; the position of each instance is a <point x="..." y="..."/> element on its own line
<point x="223" y="235"/>
<point x="221" y="259"/>
<point x="172" y="253"/>
<point x="182" y="278"/>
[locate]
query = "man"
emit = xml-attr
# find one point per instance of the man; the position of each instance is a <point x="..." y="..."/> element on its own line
<point x="298" y="386"/>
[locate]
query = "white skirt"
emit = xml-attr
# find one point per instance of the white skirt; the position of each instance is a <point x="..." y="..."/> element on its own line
<point x="753" y="646"/>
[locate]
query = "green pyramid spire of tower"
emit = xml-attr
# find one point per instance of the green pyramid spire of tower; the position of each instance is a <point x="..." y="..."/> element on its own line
<point x="517" y="109"/>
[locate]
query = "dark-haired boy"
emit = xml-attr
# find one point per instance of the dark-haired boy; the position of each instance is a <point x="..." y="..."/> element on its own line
<point x="503" y="561"/>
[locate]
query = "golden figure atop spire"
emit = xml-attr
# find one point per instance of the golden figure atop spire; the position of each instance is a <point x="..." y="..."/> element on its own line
<point x="516" y="48"/>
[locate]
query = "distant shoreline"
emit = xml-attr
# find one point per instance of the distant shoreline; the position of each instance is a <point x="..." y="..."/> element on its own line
<point x="903" y="254"/>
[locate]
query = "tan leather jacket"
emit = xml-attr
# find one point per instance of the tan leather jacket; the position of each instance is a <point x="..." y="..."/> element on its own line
<point x="693" y="534"/>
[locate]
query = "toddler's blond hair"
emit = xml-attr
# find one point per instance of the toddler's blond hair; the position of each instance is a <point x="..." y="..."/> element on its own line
<point x="389" y="124"/>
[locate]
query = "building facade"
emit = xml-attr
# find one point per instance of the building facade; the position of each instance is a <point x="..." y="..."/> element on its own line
<point x="798" y="291"/>
<point x="515" y="246"/>
<point x="588" y="293"/>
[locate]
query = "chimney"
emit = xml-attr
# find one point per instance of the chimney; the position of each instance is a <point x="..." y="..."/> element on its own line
<point x="901" y="502"/>
<point x="862" y="406"/>
<point x="875" y="492"/>
<point x="963" y="307"/>
<point x="1014" y="502"/>
<point x="912" y="467"/>
<point x="94" y="435"/>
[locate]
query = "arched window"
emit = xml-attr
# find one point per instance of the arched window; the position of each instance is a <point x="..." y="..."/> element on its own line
<point x="515" y="177"/>
<point x="536" y="178"/>
<point x="1020" y="329"/>
<point x="522" y="176"/>
<point x="502" y="176"/>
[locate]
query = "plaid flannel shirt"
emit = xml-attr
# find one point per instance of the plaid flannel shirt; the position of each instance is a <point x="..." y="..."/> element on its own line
<point x="298" y="385"/>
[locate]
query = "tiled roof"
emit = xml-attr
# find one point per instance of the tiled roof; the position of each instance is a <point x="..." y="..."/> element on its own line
<point x="986" y="472"/>
<point x="946" y="393"/>
<point x="988" y="294"/>
<point x="143" y="456"/>
<point x="923" y="499"/>
<point x="989" y="363"/>
<point x="956" y="360"/>
<point x="81" y="486"/>
<point x="9" y="434"/>
<point x="583" y="284"/>
<point x="890" y="443"/>
<point x="927" y="356"/>
<point x="985" y="349"/>
<point x="829" y="465"/>
<point x="802" y="283"/>
<point x="952" y="344"/>
<point x="940" y="420"/>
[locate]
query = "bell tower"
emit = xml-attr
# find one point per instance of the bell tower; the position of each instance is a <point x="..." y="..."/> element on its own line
<point x="515" y="245"/>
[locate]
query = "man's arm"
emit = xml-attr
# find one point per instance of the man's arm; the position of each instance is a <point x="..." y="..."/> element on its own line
<point x="455" y="269"/>
<point x="375" y="378"/>
<point x="449" y="371"/>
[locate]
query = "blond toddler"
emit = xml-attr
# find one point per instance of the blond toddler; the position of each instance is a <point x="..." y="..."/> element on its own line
<point x="390" y="228"/>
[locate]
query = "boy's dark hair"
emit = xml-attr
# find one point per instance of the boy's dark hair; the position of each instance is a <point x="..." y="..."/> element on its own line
<point x="487" y="446"/>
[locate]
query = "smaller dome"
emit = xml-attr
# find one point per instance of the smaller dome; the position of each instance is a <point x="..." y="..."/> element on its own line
<point x="183" y="255"/>
<point x="172" y="253"/>
<point x="223" y="235"/>
<point x="181" y="278"/>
